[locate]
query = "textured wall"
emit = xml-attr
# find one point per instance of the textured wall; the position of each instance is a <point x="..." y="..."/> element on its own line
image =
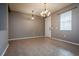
<point x="21" y="25"/>
<point x="72" y="35"/>
<point x="3" y="27"/>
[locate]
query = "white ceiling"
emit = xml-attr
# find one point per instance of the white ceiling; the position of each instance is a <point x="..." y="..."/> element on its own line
<point x="37" y="7"/>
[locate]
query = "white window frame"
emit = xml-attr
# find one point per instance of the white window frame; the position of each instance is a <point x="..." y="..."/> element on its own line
<point x="66" y="21"/>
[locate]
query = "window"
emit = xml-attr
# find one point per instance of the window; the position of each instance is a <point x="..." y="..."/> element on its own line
<point x="65" y="21"/>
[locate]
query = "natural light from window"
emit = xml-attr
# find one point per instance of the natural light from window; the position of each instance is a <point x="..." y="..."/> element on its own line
<point x="66" y="21"/>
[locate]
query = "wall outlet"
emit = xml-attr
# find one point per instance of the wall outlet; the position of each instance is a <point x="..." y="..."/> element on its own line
<point x="64" y="35"/>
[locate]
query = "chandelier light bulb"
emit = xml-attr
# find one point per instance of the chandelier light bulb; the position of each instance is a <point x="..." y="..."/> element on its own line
<point x="32" y="18"/>
<point x="46" y="11"/>
<point x="48" y="14"/>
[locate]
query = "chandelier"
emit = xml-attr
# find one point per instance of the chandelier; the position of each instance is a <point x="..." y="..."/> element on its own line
<point x="46" y="12"/>
<point x="32" y="14"/>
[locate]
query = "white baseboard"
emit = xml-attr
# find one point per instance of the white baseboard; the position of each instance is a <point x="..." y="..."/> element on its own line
<point x="25" y="38"/>
<point x="65" y="41"/>
<point x="5" y="50"/>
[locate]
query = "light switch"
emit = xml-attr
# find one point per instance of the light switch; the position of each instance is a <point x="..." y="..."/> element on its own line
<point x="56" y="28"/>
<point x="52" y="28"/>
<point x="49" y="28"/>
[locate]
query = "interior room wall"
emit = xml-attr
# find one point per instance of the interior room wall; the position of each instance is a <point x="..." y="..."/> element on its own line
<point x="21" y="25"/>
<point x="48" y="26"/>
<point x="3" y="27"/>
<point x="73" y="35"/>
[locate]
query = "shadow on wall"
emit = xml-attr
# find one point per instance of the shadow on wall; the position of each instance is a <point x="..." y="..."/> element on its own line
<point x="3" y="27"/>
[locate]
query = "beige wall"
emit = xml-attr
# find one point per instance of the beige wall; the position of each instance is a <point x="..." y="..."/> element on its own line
<point x="21" y="25"/>
<point x="72" y="35"/>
